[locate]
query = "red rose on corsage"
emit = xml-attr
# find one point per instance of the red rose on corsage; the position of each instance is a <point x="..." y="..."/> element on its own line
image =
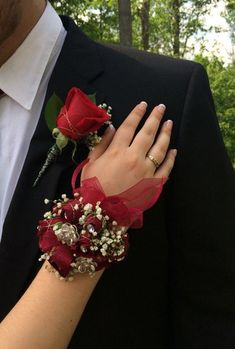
<point x="77" y="120"/>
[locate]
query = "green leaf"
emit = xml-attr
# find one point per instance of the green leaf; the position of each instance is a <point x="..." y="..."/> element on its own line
<point x="52" y="110"/>
<point x="58" y="225"/>
<point x="92" y="97"/>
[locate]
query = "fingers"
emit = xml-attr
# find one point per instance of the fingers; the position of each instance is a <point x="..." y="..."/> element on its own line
<point x="126" y="131"/>
<point x="103" y="145"/>
<point x="160" y="147"/>
<point x="145" y="137"/>
<point x="165" y="169"/>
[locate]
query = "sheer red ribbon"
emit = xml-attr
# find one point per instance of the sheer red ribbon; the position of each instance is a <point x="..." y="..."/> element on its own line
<point x="127" y="207"/>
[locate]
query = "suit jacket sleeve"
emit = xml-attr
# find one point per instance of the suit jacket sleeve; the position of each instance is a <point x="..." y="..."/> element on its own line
<point x="201" y="227"/>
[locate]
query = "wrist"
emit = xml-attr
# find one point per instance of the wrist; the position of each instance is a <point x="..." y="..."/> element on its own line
<point x="81" y="235"/>
<point x="89" y="232"/>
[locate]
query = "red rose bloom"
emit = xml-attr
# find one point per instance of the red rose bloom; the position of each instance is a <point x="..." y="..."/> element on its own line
<point x="48" y="240"/>
<point x="46" y="234"/>
<point x="97" y="224"/>
<point x="62" y="255"/>
<point x="69" y="212"/>
<point x="80" y="115"/>
<point x="62" y="258"/>
<point x="85" y="239"/>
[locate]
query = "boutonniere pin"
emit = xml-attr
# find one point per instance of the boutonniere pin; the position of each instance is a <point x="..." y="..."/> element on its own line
<point x="78" y="120"/>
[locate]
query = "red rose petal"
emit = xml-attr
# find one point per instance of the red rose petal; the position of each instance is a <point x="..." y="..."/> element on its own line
<point x="61" y="259"/>
<point x="80" y="115"/>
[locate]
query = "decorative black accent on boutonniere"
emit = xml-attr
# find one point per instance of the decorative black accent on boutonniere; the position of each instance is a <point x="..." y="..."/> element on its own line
<point x="76" y="121"/>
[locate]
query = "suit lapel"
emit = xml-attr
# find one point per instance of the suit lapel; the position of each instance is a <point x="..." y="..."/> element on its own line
<point x="78" y="65"/>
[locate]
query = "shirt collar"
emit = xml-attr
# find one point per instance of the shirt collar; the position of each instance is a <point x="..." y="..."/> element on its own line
<point x="21" y="75"/>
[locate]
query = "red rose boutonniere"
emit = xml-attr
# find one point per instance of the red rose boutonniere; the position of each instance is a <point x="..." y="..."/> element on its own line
<point x="76" y="121"/>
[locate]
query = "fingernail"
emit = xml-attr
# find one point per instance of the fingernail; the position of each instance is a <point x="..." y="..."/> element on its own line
<point x="161" y="107"/>
<point x="174" y="151"/>
<point x="169" y="124"/>
<point x="143" y="106"/>
<point x="111" y="126"/>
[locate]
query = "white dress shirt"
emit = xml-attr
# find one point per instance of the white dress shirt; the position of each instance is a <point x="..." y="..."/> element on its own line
<point x="24" y="79"/>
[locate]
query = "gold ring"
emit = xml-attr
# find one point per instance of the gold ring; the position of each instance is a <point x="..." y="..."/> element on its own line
<point x="156" y="163"/>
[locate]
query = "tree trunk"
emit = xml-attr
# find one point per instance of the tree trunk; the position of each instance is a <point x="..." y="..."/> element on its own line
<point x="176" y="27"/>
<point x="144" y="17"/>
<point x="125" y="22"/>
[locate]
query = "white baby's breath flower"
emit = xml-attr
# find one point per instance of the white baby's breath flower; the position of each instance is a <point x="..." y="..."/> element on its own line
<point x="88" y="207"/>
<point x="98" y="210"/>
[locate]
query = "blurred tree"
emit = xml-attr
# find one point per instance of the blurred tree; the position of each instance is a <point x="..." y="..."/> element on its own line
<point x="174" y="22"/>
<point x="144" y="14"/>
<point x="71" y="8"/>
<point x="230" y="16"/>
<point x="97" y="18"/>
<point x="222" y="81"/>
<point x="125" y="22"/>
<point x="160" y="26"/>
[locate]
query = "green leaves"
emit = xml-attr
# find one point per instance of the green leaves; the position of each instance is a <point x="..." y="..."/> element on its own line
<point x="93" y="98"/>
<point x="222" y="82"/>
<point x="52" y="110"/>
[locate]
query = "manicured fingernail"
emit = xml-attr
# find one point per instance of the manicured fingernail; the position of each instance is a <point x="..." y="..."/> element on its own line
<point x="111" y="126"/>
<point x="161" y="107"/>
<point x="143" y="106"/>
<point x="169" y="124"/>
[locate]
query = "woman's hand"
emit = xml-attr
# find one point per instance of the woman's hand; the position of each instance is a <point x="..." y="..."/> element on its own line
<point x="121" y="160"/>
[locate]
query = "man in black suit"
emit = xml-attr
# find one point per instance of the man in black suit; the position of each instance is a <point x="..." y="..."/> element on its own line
<point x="176" y="288"/>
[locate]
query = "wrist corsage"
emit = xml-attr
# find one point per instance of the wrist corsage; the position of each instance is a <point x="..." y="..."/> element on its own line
<point x="89" y="232"/>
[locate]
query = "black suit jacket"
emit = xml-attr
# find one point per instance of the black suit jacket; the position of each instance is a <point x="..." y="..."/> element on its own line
<point x="176" y="289"/>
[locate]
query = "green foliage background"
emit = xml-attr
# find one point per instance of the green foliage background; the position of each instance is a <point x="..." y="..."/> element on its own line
<point x="222" y="81"/>
<point x="171" y="25"/>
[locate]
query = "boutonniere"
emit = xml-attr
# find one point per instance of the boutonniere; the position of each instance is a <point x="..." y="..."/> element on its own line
<point x="76" y="121"/>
